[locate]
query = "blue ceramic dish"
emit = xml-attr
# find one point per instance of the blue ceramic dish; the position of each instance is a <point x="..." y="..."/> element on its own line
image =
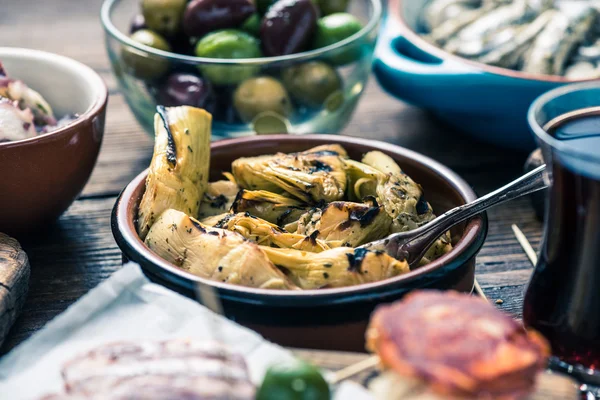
<point x="325" y="318"/>
<point x="487" y="102"/>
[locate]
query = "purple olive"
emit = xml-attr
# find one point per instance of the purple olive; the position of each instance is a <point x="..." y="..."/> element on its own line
<point x="288" y="26"/>
<point x="186" y="89"/>
<point x="203" y="16"/>
<point x="137" y="23"/>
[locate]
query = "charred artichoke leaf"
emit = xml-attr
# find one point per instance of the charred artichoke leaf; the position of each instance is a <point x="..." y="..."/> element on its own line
<point x="214" y="219"/>
<point x="269" y="206"/>
<point x="267" y="234"/>
<point x="381" y="162"/>
<point x="211" y="253"/>
<point x="178" y="174"/>
<point x="332" y="149"/>
<point x="442" y="246"/>
<point x="352" y="223"/>
<point x="401" y="197"/>
<point x="362" y="180"/>
<point x="337" y="267"/>
<point x="218" y="198"/>
<point x="311" y="176"/>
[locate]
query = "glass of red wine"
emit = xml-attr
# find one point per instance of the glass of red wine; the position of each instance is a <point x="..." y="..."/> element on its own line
<point x="563" y="296"/>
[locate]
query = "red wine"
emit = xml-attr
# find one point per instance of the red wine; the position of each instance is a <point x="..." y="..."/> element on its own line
<point x="563" y="297"/>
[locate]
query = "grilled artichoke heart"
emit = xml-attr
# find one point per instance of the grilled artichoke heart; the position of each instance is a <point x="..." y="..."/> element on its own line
<point x="218" y="198"/>
<point x="338" y="267"/>
<point x="269" y="206"/>
<point x="352" y="223"/>
<point x="212" y="253"/>
<point x="400" y="196"/>
<point x="403" y="200"/>
<point x="311" y="176"/>
<point x="268" y="234"/>
<point x="179" y="168"/>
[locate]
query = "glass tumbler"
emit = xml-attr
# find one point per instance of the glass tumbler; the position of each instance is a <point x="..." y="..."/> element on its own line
<point x="563" y="297"/>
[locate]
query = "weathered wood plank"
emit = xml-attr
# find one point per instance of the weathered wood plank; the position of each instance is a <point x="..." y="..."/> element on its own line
<point x="14" y="282"/>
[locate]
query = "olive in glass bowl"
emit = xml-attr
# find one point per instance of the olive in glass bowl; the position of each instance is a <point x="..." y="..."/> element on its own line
<point x="243" y="61"/>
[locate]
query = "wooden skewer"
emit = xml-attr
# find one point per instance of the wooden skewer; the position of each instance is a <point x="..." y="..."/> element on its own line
<point x="525" y="244"/>
<point x="354" y="369"/>
<point x="373" y="361"/>
<point x="479" y="290"/>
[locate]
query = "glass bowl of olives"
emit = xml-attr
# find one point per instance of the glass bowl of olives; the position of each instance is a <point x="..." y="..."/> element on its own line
<point x="259" y="66"/>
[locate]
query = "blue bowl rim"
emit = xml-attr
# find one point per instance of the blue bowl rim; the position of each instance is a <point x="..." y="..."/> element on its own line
<point x="464" y="250"/>
<point x="394" y="9"/>
<point x="112" y="30"/>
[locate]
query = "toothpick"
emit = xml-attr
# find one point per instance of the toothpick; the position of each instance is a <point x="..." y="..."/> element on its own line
<point x="479" y="290"/>
<point x="525" y="244"/>
<point x="354" y="369"/>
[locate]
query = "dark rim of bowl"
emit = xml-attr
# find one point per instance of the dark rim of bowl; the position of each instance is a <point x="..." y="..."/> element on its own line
<point x="469" y="244"/>
<point x="110" y="28"/>
<point x="94" y="108"/>
<point x="395" y="10"/>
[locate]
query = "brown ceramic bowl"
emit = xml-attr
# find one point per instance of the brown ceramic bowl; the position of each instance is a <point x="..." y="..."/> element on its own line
<point x="41" y="176"/>
<point x="325" y="318"/>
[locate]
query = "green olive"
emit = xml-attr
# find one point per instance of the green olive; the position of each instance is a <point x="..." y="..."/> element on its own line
<point x="311" y="83"/>
<point x="332" y="6"/>
<point x="335" y="28"/>
<point x="228" y="44"/>
<point x="142" y="64"/>
<point x="252" y="24"/>
<point x="163" y="16"/>
<point x="293" y="381"/>
<point x="257" y="95"/>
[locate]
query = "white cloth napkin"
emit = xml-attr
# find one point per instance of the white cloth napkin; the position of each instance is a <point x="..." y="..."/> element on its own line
<point x="129" y="307"/>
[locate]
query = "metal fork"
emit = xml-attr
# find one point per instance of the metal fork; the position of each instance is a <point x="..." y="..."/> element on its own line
<point x="412" y="245"/>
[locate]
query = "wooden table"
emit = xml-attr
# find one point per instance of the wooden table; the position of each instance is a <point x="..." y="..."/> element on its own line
<point x="80" y="252"/>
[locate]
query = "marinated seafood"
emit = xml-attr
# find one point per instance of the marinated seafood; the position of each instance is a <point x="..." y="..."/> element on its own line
<point x="449" y="28"/>
<point x="442" y="10"/>
<point x="280" y="221"/>
<point x="515" y="13"/>
<point x="549" y="52"/>
<point x="534" y="36"/>
<point x="510" y="52"/>
<point x="24" y="113"/>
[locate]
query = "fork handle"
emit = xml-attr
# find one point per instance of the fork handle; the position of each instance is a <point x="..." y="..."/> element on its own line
<point x="427" y="234"/>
